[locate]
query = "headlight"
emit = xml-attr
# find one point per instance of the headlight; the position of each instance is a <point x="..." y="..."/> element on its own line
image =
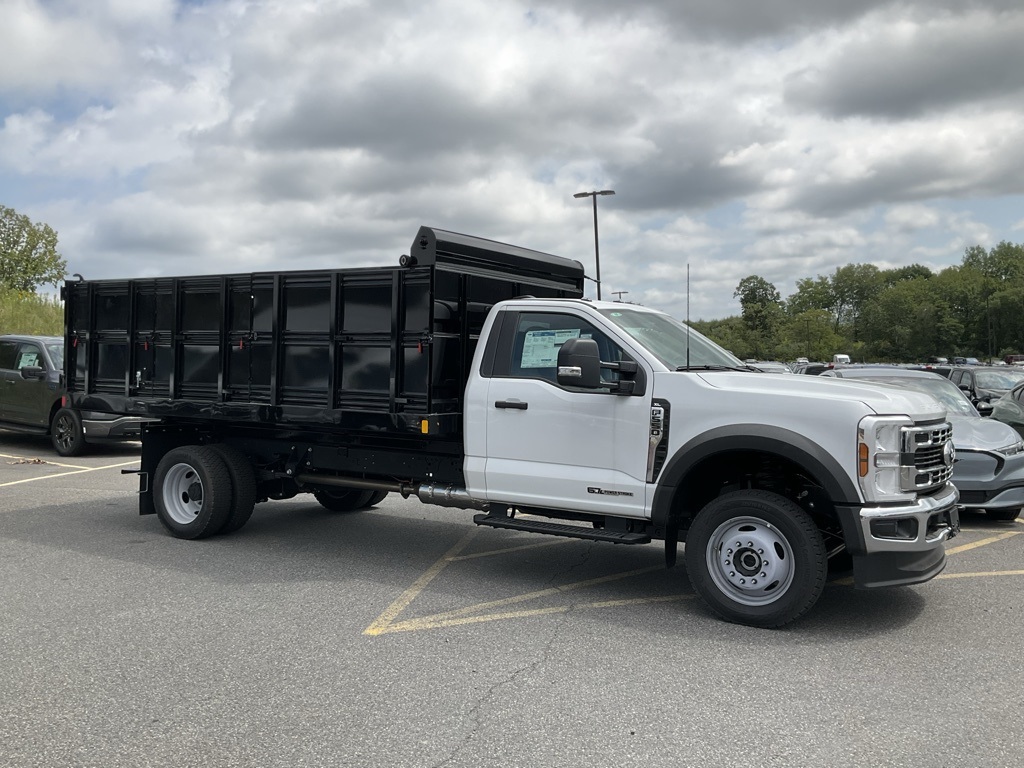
<point x="880" y="459"/>
<point x="1012" y="449"/>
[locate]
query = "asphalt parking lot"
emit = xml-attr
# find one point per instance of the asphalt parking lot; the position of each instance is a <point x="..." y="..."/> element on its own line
<point x="407" y="636"/>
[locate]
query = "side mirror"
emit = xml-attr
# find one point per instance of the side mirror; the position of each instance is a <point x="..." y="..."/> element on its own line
<point x="33" y="372"/>
<point x="579" y="364"/>
<point x="984" y="408"/>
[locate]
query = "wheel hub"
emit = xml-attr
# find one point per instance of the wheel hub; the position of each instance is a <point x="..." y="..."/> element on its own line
<point x="183" y="493"/>
<point x="193" y="493"/>
<point x="750" y="560"/>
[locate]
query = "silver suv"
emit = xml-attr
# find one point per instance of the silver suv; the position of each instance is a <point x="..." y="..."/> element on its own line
<point x="32" y="398"/>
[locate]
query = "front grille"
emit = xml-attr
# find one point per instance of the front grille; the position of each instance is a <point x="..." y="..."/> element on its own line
<point x="924" y="466"/>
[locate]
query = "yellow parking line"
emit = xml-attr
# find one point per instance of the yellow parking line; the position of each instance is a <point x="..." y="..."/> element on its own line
<point x="65" y="474"/>
<point x="982" y="542"/>
<point x="380" y="624"/>
<point x="432" y="622"/>
<point x="979" y="573"/>
<point x="550" y="591"/>
<point x="491" y="552"/>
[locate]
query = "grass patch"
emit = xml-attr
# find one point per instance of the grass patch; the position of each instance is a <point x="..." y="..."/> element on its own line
<point x="30" y="313"/>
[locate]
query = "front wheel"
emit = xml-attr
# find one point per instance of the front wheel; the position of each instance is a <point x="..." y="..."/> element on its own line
<point x="756" y="558"/>
<point x="66" y="433"/>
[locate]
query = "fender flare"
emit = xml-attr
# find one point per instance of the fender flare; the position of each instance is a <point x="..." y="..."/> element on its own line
<point x="752" y="437"/>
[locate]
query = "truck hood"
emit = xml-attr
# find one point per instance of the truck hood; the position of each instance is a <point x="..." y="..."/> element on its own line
<point x="881" y="400"/>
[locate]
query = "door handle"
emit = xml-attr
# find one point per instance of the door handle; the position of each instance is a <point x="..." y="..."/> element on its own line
<point x="516" y="404"/>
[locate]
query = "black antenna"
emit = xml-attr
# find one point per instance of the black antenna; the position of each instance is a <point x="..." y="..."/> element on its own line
<point x="687" y="314"/>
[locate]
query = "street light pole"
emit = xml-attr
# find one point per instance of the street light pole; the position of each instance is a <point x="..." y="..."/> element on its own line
<point x="597" y="252"/>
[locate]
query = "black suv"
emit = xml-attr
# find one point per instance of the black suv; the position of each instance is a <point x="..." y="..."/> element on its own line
<point x="982" y="383"/>
<point x="32" y="398"/>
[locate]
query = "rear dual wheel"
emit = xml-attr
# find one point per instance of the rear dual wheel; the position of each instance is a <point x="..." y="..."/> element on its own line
<point x="203" y="490"/>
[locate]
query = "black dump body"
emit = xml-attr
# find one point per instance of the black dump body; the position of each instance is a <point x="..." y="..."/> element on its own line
<point x="377" y="350"/>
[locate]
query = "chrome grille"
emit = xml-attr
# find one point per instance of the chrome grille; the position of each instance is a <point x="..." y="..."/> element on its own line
<point x="923" y="465"/>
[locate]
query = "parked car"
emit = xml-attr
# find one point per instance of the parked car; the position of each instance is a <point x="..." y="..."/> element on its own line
<point x="984" y="383"/>
<point x="989" y="468"/>
<point x="810" y="369"/>
<point x="32" y="398"/>
<point x="771" y="366"/>
<point x="965" y="361"/>
<point x="1009" y="408"/>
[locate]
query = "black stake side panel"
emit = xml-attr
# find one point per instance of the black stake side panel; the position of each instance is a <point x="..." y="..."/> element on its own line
<point x="372" y="350"/>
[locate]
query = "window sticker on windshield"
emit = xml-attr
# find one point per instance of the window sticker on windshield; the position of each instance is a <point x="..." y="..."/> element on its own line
<point x="540" y="348"/>
<point x="28" y="360"/>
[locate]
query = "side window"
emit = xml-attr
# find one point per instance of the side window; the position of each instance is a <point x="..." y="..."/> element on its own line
<point x="28" y="356"/>
<point x="8" y="350"/>
<point x="956" y="376"/>
<point x="539" y="336"/>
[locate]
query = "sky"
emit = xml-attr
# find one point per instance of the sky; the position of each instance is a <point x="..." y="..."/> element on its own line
<point x="779" y="138"/>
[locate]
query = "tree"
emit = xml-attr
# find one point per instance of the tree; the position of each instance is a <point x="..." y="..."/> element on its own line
<point x="853" y="286"/>
<point x="28" y="253"/>
<point x="811" y="294"/>
<point x="762" y="312"/>
<point x="1004" y="262"/>
<point x="810" y="334"/>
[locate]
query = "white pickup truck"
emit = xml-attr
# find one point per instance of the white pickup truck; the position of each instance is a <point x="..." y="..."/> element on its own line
<point x="546" y="413"/>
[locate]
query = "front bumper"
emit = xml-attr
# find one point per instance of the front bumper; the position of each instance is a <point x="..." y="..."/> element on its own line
<point x="900" y="545"/>
<point x="987" y="480"/>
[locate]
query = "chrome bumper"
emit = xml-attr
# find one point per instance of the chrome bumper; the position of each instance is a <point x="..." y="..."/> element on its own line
<point x="917" y="527"/>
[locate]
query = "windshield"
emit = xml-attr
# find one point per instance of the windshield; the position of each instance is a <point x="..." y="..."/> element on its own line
<point x="56" y="354"/>
<point x="943" y="390"/>
<point x="674" y="343"/>
<point x="999" y="379"/>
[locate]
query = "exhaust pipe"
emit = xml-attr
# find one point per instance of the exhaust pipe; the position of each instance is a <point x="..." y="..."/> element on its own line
<point x="428" y="493"/>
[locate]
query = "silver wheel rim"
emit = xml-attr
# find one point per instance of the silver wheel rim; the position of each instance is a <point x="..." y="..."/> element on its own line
<point x="182" y="494"/>
<point x="750" y="561"/>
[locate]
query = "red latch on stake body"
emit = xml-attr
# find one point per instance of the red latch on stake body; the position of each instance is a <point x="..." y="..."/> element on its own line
<point x="419" y="347"/>
<point x="241" y="343"/>
<point x="74" y="342"/>
<point x="145" y="346"/>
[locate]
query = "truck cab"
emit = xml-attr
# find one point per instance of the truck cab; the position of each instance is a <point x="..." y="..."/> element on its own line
<point x="624" y="413"/>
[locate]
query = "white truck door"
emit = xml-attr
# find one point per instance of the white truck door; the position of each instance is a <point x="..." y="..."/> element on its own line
<point x="560" y="447"/>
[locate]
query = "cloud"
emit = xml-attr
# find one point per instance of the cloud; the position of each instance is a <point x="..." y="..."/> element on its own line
<point x="785" y="137"/>
<point x="897" y="65"/>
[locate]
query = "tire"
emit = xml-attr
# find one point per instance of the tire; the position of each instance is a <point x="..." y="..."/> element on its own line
<point x="775" y="569"/>
<point x="377" y="498"/>
<point x="243" y="486"/>
<point x="66" y="433"/>
<point x="343" y="499"/>
<point x="1003" y="515"/>
<point x="192" y="492"/>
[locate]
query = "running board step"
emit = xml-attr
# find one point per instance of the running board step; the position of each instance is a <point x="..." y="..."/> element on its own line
<point x="559" y="529"/>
